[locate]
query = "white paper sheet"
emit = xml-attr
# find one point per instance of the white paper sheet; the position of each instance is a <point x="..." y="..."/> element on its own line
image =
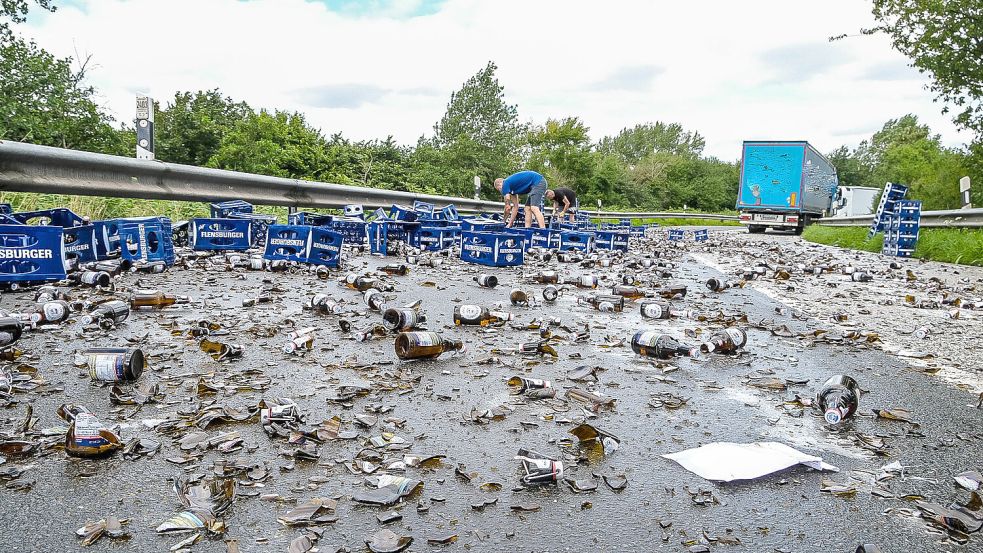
<point x="728" y="461"/>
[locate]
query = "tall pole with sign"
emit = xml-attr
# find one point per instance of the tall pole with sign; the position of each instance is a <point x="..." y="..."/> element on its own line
<point x="145" y="127"/>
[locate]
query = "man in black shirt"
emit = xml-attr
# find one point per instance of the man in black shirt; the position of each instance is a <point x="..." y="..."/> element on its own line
<point x="564" y="201"/>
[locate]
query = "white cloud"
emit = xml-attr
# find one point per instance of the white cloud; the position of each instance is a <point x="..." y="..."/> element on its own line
<point x="731" y="70"/>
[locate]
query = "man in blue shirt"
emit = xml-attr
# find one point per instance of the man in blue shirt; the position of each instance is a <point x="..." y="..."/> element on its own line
<point x="530" y="183"/>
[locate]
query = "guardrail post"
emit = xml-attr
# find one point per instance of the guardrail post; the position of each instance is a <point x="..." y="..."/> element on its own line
<point x="145" y="127"/>
<point x="964" y="190"/>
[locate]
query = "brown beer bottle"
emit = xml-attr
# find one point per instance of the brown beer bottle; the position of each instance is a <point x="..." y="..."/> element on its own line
<point x="424" y="345"/>
<point x="725" y="341"/>
<point x="402" y="318"/>
<point x="628" y="291"/>
<point x="395" y="269"/>
<point x="546" y="277"/>
<point x="651" y="343"/>
<point x="479" y="316"/>
<point x="155" y="299"/>
<point x="672" y="292"/>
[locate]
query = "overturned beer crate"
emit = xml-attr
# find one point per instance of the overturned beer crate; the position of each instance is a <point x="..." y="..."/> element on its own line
<point x="146" y="239"/>
<point x="386" y="236"/>
<point x="492" y="249"/>
<point x="892" y="193"/>
<point x="31" y="254"/>
<point x="221" y="234"/>
<point x="576" y="241"/>
<point x="437" y="235"/>
<point x="81" y="243"/>
<point x="304" y="244"/>
<point x="222" y="210"/>
<point x="612" y="240"/>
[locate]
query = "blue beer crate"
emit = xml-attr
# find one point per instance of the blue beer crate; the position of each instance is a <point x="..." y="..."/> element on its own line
<point x="288" y="242"/>
<point x="325" y="247"/>
<point x="423" y="210"/>
<point x="107" y="239"/>
<point x="309" y="218"/>
<point x="437" y="237"/>
<point x="260" y="221"/>
<point x="6" y="209"/>
<point x="676" y="234"/>
<point x="541" y="237"/>
<point x="481" y="224"/>
<point x="58" y="217"/>
<point x="384" y="236"/>
<point x="402" y="213"/>
<point x="222" y="210"/>
<point x="640" y="230"/>
<point x="221" y="234"/>
<point x="352" y="228"/>
<point x="81" y="243"/>
<point x="449" y="213"/>
<point x="701" y="235"/>
<point x="612" y="240"/>
<point x="355" y="210"/>
<point x="492" y="249"/>
<point x="576" y="241"/>
<point x="146" y="239"/>
<point x="31" y="253"/>
<point x="179" y="233"/>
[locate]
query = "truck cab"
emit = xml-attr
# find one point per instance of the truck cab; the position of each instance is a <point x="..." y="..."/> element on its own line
<point x="784" y="185"/>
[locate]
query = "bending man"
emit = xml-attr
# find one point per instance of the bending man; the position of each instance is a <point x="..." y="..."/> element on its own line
<point x="564" y="201"/>
<point x="529" y="183"/>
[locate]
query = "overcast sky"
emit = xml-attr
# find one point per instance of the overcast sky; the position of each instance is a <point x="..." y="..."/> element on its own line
<point x="734" y="71"/>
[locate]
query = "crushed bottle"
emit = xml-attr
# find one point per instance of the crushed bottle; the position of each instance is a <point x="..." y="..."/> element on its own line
<point x="86" y="436"/>
<point x="550" y="293"/>
<point x="727" y="340"/>
<point x="300" y="340"/>
<point x="662" y="310"/>
<point x="538" y="468"/>
<point x="531" y="387"/>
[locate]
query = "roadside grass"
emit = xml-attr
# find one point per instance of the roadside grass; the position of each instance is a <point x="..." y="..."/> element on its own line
<point x="949" y="245"/>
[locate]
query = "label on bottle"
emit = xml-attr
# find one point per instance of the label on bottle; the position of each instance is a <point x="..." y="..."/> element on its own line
<point x="647" y="338"/>
<point x="652" y="310"/>
<point x="87" y="428"/>
<point x="470" y="313"/>
<point x="53" y="311"/>
<point x="736" y="336"/>
<point x="107" y="367"/>
<point x="502" y="315"/>
<point x="6" y="338"/>
<point x="588" y="280"/>
<point x="426" y="339"/>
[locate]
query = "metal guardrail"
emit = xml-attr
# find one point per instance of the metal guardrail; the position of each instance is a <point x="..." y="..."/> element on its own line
<point x="47" y="170"/>
<point x="953" y="218"/>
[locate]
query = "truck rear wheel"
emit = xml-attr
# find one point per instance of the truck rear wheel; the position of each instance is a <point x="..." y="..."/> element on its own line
<point x="756" y="229"/>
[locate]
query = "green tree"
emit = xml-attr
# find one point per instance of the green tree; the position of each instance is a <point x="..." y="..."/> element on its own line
<point x="850" y="169"/>
<point x="480" y="132"/>
<point x="906" y="152"/>
<point x="16" y="11"/>
<point x="43" y="100"/>
<point x="280" y="144"/>
<point x="561" y="151"/>
<point x="190" y="129"/>
<point x="943" y="38"/>
<point x="633" y="144"/>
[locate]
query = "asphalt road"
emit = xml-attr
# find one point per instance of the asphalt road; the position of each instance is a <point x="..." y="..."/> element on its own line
<point x="664" y="507"/>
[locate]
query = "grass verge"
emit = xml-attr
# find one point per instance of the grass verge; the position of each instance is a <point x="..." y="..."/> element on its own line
<point x="949" y="245"/>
